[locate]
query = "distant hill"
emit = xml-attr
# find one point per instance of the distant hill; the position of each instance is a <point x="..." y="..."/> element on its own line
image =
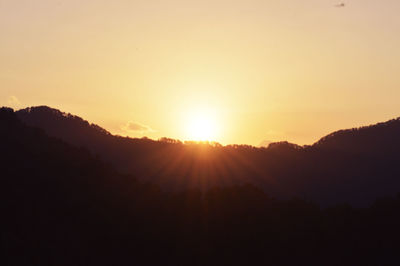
<point x="355" y="165"/>
<point x="68" y="127"/>
<point x="60" y="205"/>
<point x="168" y="162"/>
<point x="55" y="199"/>
<point x="381" y="138"/>
<point x="81" y="133"/>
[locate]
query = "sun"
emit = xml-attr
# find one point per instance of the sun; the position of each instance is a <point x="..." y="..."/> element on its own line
<point x="202" y="126"/>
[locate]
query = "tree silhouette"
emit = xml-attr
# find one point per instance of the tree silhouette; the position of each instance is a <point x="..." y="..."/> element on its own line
<point x="61" y="205"/>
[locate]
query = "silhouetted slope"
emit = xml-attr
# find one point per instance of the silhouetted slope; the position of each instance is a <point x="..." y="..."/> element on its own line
<point x="61" y="206"/>
<point x="58" y="203"/>
<point x="379" y="139"/>
<point x="169" y="163"/>
<point x="354" y="166"/>
<point x="65" y="126"/>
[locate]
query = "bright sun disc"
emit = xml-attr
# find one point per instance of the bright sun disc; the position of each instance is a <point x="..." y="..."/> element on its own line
<point x="201" y="127"/>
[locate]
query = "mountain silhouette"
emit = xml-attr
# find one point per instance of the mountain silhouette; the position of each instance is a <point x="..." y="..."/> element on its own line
<point x="62" y="205"/>
<point x="382" y="138"/>
<point x="355" y="165"/>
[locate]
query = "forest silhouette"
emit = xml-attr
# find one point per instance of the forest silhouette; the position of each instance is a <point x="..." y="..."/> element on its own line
<point x="353" y="166"/>
<point x="74" y="194"/>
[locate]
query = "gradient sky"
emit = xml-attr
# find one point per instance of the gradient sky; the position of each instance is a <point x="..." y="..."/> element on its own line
<point x="264" y="70"/>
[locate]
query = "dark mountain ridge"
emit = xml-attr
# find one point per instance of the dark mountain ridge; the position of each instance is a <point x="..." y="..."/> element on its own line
<point x="367" y="139"/>
<point x="355" y="165"/>
<point x="62" y="206"/>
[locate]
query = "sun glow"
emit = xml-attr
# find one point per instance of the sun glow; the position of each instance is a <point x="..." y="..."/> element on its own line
<point x="202" y="126"/>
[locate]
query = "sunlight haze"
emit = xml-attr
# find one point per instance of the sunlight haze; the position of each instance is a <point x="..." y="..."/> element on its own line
<point x="232" y="71"/>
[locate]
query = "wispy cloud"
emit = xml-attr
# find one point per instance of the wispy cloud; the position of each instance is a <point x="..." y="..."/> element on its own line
<point x="135" y="127"/>
<point x="13" y="101"/>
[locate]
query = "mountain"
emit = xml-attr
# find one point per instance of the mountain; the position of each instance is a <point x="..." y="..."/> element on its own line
<point x="382" y="139"/>
<point x="61" y="205"/>
<point x="168" y="162"/>
<point x="58" y="203"/>
<point x="355" y="165"/>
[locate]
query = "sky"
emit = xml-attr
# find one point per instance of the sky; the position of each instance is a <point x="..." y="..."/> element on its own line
<point x="257" y="70"/>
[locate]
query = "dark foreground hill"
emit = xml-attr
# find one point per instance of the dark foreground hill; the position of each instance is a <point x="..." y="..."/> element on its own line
<point x="355" y="166"/>
<point x="62" y="206"/>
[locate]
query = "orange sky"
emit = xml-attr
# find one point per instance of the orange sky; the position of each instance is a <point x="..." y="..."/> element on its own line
<point x="262" y="70"/>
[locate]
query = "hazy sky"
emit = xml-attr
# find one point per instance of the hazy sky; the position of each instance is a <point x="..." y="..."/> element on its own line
<point x="262" y="69"/>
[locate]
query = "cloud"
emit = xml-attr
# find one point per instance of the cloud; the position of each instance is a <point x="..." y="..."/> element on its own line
<point x="135" y="127"/>
<point x="13" y="101"/>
